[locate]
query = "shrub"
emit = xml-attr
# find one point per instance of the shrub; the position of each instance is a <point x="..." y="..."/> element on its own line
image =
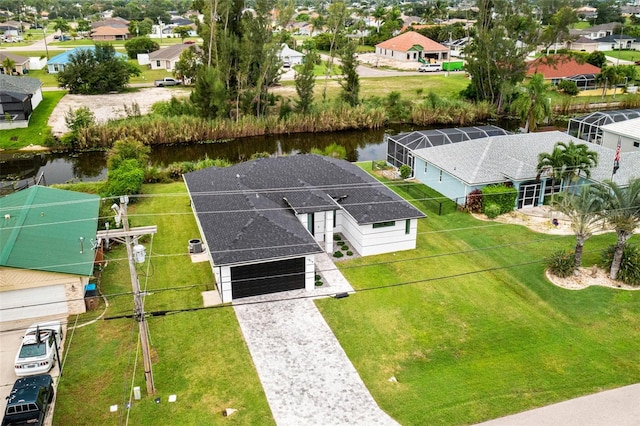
<point x="474" y="201"/>
<point x="336" y="237"/>
<point x="126" y="179"/>
<point x="349" y="253"/>
<point x="338" y="254"/>
<point x="405" y="171"/>
<point x="568" y="87"/>
<point x="340" y="243"/>
<point x="317" y="277"/>
<point x="501" y="194"/>
<point x="629" y="272"/>
<point x="344" y="248"/>
<point x="318" y="283"/>
<point x="561" y="263"/>
<point x="492" y="211"/>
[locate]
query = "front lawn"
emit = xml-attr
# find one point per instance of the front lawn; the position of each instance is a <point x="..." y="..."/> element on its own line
<point x="471" y="329"/>
<point x="38" y="130"/>
<point x="200" y="356"/>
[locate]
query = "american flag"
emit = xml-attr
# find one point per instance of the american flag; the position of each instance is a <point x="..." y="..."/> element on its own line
<point x="616" y="159"/>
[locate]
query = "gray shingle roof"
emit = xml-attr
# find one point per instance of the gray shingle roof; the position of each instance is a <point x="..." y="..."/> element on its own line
<point x="172" y="52"/>
<point x="494" y="159"/>
<point x="24" y="85"/>
<point x="247" y="211"/>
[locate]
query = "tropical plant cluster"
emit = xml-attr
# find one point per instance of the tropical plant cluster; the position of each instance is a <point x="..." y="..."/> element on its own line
<point x="629" y="272"/>
<point x="498" y="199"/>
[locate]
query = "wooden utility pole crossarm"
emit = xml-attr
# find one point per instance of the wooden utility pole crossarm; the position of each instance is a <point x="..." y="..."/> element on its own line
<point x="130" y="236"/>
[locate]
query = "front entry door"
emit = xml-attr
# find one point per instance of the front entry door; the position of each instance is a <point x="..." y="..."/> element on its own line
<point x="529" y="195"/>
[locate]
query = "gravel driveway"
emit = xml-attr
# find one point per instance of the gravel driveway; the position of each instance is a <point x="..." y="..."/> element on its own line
<point x="112" y="106"/>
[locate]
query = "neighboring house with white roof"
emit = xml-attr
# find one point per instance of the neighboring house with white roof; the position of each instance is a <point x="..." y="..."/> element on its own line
<point x="456" y="169"/>
<point x="167" y="57"/>
<point x="287" y="54"/>
<point x="628" y="132"/>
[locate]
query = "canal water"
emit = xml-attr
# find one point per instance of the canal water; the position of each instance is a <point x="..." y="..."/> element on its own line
<point x="23" y="168"/>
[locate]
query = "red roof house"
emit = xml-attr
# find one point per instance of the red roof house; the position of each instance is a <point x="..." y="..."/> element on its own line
<point x="560" y="66"/>
<point x="412" y="46"/>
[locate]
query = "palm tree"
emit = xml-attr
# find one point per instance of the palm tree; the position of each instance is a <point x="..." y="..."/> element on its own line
<point x="583" y="210"/>
<point x="533" y="106"/>
<point x="552" y="164"/>
<point x="578" y="160"/>
<point x="610" y="76"/>
<point x="8" y="65"/>
<point x="622" y="211"/>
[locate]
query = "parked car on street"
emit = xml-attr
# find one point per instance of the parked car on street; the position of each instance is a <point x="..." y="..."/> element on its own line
<point x="167" y="81"/>
<point x="39" y="349"/>
<point x="430" y="67"/>
<point x="28" y="401"/>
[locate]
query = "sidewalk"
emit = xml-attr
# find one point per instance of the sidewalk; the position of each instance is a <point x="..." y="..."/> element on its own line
<point x="620" y="407"/>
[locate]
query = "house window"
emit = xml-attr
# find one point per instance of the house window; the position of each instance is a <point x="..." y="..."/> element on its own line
<point x="158" y="63"/>
<point x="440" y="176"/>
<point x="636" y="144"/>
<point x="335" y="217"/>
<point x="384" y="224"/>
<point x="425" y="167"/>
<point x="310" y="223"/>
<point x="407" y="226"/>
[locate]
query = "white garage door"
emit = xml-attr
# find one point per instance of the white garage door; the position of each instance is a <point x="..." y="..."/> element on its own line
<point x="32" y="302"/>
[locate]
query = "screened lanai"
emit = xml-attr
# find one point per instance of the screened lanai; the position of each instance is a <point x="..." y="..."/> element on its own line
<point x="400" y="146"/>
<point x="584" y="81"/>
<point x="587" y="127"/>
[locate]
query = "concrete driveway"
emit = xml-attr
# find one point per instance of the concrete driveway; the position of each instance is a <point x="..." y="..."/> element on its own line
<point x="10" y="339"/>
<point x="306" y="376"/>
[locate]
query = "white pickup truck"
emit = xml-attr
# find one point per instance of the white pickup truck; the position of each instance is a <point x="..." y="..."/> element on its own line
<point x="167" y="81"/>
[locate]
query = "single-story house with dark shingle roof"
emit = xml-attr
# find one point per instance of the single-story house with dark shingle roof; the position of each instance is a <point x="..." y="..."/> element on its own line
<point x="412" y="46"/>
<point x="19" y="96"/>
<point x="456" y="169"/>
<point x="46" y="257"/>
<point x="263" y="221"/>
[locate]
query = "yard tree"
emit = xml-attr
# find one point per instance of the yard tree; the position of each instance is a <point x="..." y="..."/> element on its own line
<point x="186" y="68"/>
<point x="182" y="31"/>
<point x="505" y="34"/>
<point x="583" y="209"/>
<point x="61" y="25"/>
<point x="139" y="45"/>
<point x="210" y="95"/>
<point x="533" y="106"/>
<point x="622" y="212"/>
<point x="83" y="26"/>
<point x="609" y="76"/>
<point x="305" y="82"/>
<point x="94" y="71"/>
<point x="338" y="13"/>
<point x="350" y="82"/>
<point x="8" y="65"/>
<point x="552" y="164"/>
<point x="557" y="31"/>
<point x="608" y="11"/>
<point x="578" y="161"/>
<point x="141" y="28"/>
<point x="597" y="59"/>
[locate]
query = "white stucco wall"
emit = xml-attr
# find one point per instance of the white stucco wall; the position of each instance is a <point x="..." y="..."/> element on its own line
<point x="610" y="140"/>
<point x="444" y="183"/>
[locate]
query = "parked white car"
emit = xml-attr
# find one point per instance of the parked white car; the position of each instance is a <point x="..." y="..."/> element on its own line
<point x="39" y="349"/>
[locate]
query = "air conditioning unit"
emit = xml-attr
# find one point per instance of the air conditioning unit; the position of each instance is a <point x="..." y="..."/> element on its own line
<point x="195" y="246"/>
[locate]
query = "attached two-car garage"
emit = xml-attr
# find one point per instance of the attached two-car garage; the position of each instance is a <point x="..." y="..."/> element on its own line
<point x="267" y="277"/>
<point x="33" y="302"/>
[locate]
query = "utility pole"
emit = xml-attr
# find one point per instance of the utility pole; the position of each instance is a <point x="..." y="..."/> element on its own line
<point x="135" y="253"/>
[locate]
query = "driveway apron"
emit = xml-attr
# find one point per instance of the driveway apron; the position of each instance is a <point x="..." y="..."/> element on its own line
<point x="305" y="373"/>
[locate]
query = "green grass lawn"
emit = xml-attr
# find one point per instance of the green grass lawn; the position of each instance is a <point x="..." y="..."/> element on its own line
<point x="472" y="330"/>
<point x="199" y="356"/>
<point x="38" y="129"/>
<point x="627" y="55"/>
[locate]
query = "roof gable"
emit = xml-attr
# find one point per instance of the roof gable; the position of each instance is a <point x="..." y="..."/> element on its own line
<point x="171" y="52"/>
<point x="248" y="211"/>
<point x="409" y="40"/>
<point x="19" y="85"/>
<point x="41" y="228"/>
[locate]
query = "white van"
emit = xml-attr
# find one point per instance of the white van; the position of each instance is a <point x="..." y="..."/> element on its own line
<point x="430" y="67"/>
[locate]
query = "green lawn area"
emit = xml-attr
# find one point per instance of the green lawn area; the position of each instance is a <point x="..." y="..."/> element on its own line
<point x="472" y="330"/>
<point x="199" y="356"/>
<point x="38" y="129"/>
<point x="627" y="55"/>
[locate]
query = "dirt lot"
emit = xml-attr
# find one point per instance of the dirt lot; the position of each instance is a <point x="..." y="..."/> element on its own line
<point x="106" y="107"/>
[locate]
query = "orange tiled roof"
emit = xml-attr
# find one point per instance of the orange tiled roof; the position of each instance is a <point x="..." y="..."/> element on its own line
<point x="405" y="41"/>
<point x="103" y="31"/>
<point x="559" y="66"/>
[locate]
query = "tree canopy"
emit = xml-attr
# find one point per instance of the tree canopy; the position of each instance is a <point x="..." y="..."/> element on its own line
<point x="94" y="71"/>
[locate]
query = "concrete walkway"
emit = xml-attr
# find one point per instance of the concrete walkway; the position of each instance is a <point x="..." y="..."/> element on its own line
<point x="307" y="377"/>
<point x="620" y="407"/>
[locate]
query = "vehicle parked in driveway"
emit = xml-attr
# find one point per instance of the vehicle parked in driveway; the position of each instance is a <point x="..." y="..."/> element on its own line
<point x="28" y="401"/>
<point x="39" y="349"/>
<point x="167" y="81"/>
<point x="430" y="67"/>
